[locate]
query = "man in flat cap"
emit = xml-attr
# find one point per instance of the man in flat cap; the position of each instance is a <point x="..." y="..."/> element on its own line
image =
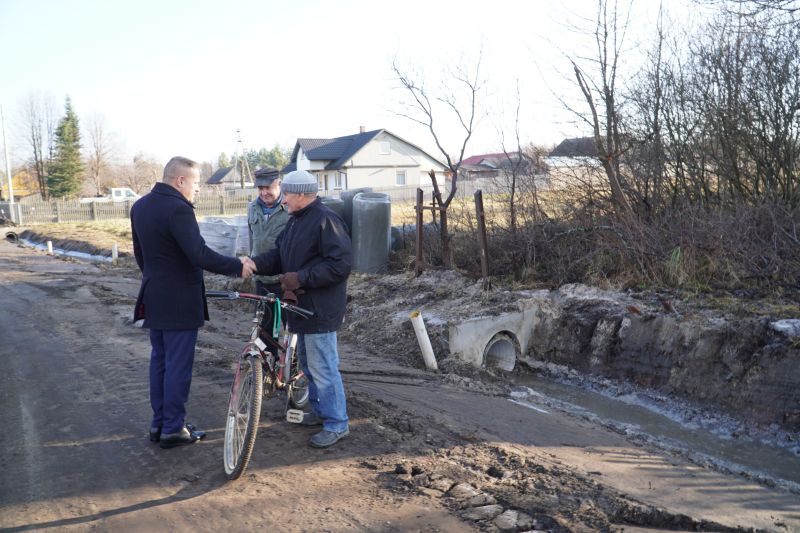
<point x="266" y="218"/>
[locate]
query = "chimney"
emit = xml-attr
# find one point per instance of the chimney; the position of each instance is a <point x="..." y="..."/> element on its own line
<point x="361" y="129"/>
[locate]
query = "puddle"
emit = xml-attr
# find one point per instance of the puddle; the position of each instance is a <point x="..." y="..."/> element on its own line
<point x="708" y="439"/>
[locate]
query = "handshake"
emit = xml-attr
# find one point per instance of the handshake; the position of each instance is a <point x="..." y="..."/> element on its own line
<point x="248" y="266"/>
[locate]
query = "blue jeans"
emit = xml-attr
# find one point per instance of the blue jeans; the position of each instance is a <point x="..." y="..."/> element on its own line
<point x="319" y="358"/>
<point x="171" y="361"/>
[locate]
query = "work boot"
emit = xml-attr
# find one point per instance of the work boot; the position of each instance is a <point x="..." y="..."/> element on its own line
<point x="326" y="438"/>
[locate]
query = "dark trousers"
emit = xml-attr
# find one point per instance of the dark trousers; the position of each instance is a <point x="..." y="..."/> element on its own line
<point x="171" y="361"/>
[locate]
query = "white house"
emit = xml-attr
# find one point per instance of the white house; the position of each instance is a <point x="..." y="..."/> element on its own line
<point x="574" y="162"/>
<point x="377" y="159"/>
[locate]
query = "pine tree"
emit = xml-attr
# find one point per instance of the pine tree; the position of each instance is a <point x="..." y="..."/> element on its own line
<point x="66" y="170"/>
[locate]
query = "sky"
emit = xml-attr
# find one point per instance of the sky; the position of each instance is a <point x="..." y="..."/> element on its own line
<point x="181" y="77"/>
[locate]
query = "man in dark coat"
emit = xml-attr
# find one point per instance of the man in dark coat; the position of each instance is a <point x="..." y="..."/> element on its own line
<point x="314" y="255"/>
<point x="172" y="256"/>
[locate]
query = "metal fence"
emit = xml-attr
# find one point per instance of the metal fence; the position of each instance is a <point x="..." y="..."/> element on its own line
<point x="33" y="210"/>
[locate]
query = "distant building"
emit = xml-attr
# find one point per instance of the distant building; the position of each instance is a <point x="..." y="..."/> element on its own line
<point x="228" y="178"/>
<point x="493" y="165"/>
<point x="574" y="162"/>
<point x="377" y="159"/>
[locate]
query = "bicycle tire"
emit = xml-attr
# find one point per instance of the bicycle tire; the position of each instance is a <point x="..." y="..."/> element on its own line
<point x="298" y="393"/>
<point x="297" y="388"/>
<point x="244" y="412"/>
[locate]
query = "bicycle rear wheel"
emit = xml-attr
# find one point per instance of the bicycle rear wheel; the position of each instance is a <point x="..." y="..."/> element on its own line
<point x="244" y="412"/>
<point x="297" y="387"/>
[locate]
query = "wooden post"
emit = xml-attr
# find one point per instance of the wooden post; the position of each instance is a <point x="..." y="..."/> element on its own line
<point x="58" y="211"/>
<point x="94" y="210"/>
<point x="482" y="241"/>
<point x="420" y="235"/>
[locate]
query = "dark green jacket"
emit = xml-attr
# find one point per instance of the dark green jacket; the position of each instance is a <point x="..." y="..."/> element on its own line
<point x="263" y="233"/>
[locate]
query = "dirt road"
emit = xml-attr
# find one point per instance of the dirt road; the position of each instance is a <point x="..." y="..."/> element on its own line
<point x="423" y="455"/>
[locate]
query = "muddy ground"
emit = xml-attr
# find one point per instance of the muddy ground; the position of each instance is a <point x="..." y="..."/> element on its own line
<point x="442" y="451"/>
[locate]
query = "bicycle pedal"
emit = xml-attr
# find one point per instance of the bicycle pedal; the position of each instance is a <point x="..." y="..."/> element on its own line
<point x="295" y="416"/>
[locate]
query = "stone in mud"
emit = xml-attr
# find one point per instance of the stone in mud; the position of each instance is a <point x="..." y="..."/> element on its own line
<point x="486" y="512"/>
<point x="433" y="493"/>
<point x="524" y="520"/>
<point x="507" y="520"/>
<point x="442" y="484"/>
<point x="463" y="491"/>
<point x="422" y="480"/>
<point x="480" y="500"/>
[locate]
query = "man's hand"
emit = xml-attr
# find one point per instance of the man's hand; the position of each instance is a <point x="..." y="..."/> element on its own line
<point x="289" y="281"/>
<point x="290" y="297"/>
<point x="248" y="266"/>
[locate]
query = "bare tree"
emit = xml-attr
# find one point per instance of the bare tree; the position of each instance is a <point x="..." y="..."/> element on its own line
<point x="731" y="113"/>
<point x="38" y="119"/>
<point x="600" y="94"/>
<point x="458" y="100"/>
<point x="140" y="174"/>
<point x="775" y="12"/>
<point x="100" y="153"/>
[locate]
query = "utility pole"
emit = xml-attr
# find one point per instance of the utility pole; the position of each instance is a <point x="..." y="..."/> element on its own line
<point x="242" y="165"/>
<point x="8" y="165"/>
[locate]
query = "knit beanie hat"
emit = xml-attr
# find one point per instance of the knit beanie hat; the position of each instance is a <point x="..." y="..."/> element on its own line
<point x="299" y="181"/>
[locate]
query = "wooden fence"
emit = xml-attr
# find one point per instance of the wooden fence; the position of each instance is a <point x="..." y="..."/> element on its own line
<point x="33" y="210"/>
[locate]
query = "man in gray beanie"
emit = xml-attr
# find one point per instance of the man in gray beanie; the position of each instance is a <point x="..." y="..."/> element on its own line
<point x="314" y="257"/>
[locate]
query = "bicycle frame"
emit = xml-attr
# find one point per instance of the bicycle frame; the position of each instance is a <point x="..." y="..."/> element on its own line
<point x="258" y="372"/>
<point x="277" y="374"/>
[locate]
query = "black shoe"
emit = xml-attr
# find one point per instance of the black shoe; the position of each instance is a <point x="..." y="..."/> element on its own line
<point x="181" y="438"/>
<point x="155" y="434"/>
<point x="193" y="429"/>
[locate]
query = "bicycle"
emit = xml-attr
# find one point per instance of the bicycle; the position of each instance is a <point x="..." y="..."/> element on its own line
<point x="261" y="371"/>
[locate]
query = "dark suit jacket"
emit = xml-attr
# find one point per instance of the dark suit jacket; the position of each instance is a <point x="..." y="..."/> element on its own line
<point x="172" y="256"/>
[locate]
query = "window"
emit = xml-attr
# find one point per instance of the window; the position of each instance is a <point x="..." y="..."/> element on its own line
<point x="338" y="180"/>
<point x="400" y="177"/>
<point x="321" y="182"/>
<point x="386" y="148"/>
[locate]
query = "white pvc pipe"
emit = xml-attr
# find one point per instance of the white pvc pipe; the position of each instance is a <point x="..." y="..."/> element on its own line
<point x="423" y="340"/>
<point x="50" y="247"/>
<point x="114" y="253"/>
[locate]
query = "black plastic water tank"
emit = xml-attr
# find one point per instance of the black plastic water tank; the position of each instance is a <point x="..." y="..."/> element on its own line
<point x="347" y="198"/>
<point x="372" y="223"/>
<point x="334" y="204"/>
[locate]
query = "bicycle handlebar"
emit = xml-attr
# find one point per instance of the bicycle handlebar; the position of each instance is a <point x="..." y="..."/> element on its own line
<point x="268" y="298"/>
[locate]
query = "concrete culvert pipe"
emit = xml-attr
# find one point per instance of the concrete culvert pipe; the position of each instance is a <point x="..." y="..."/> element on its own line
<point x="501" y="352"/>
<point x="347" y="204"/>
<point x="372" y="223"/>
<point x="11" y="236"/>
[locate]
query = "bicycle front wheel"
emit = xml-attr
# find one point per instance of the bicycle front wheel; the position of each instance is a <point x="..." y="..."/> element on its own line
<point x="244" y="412"/>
